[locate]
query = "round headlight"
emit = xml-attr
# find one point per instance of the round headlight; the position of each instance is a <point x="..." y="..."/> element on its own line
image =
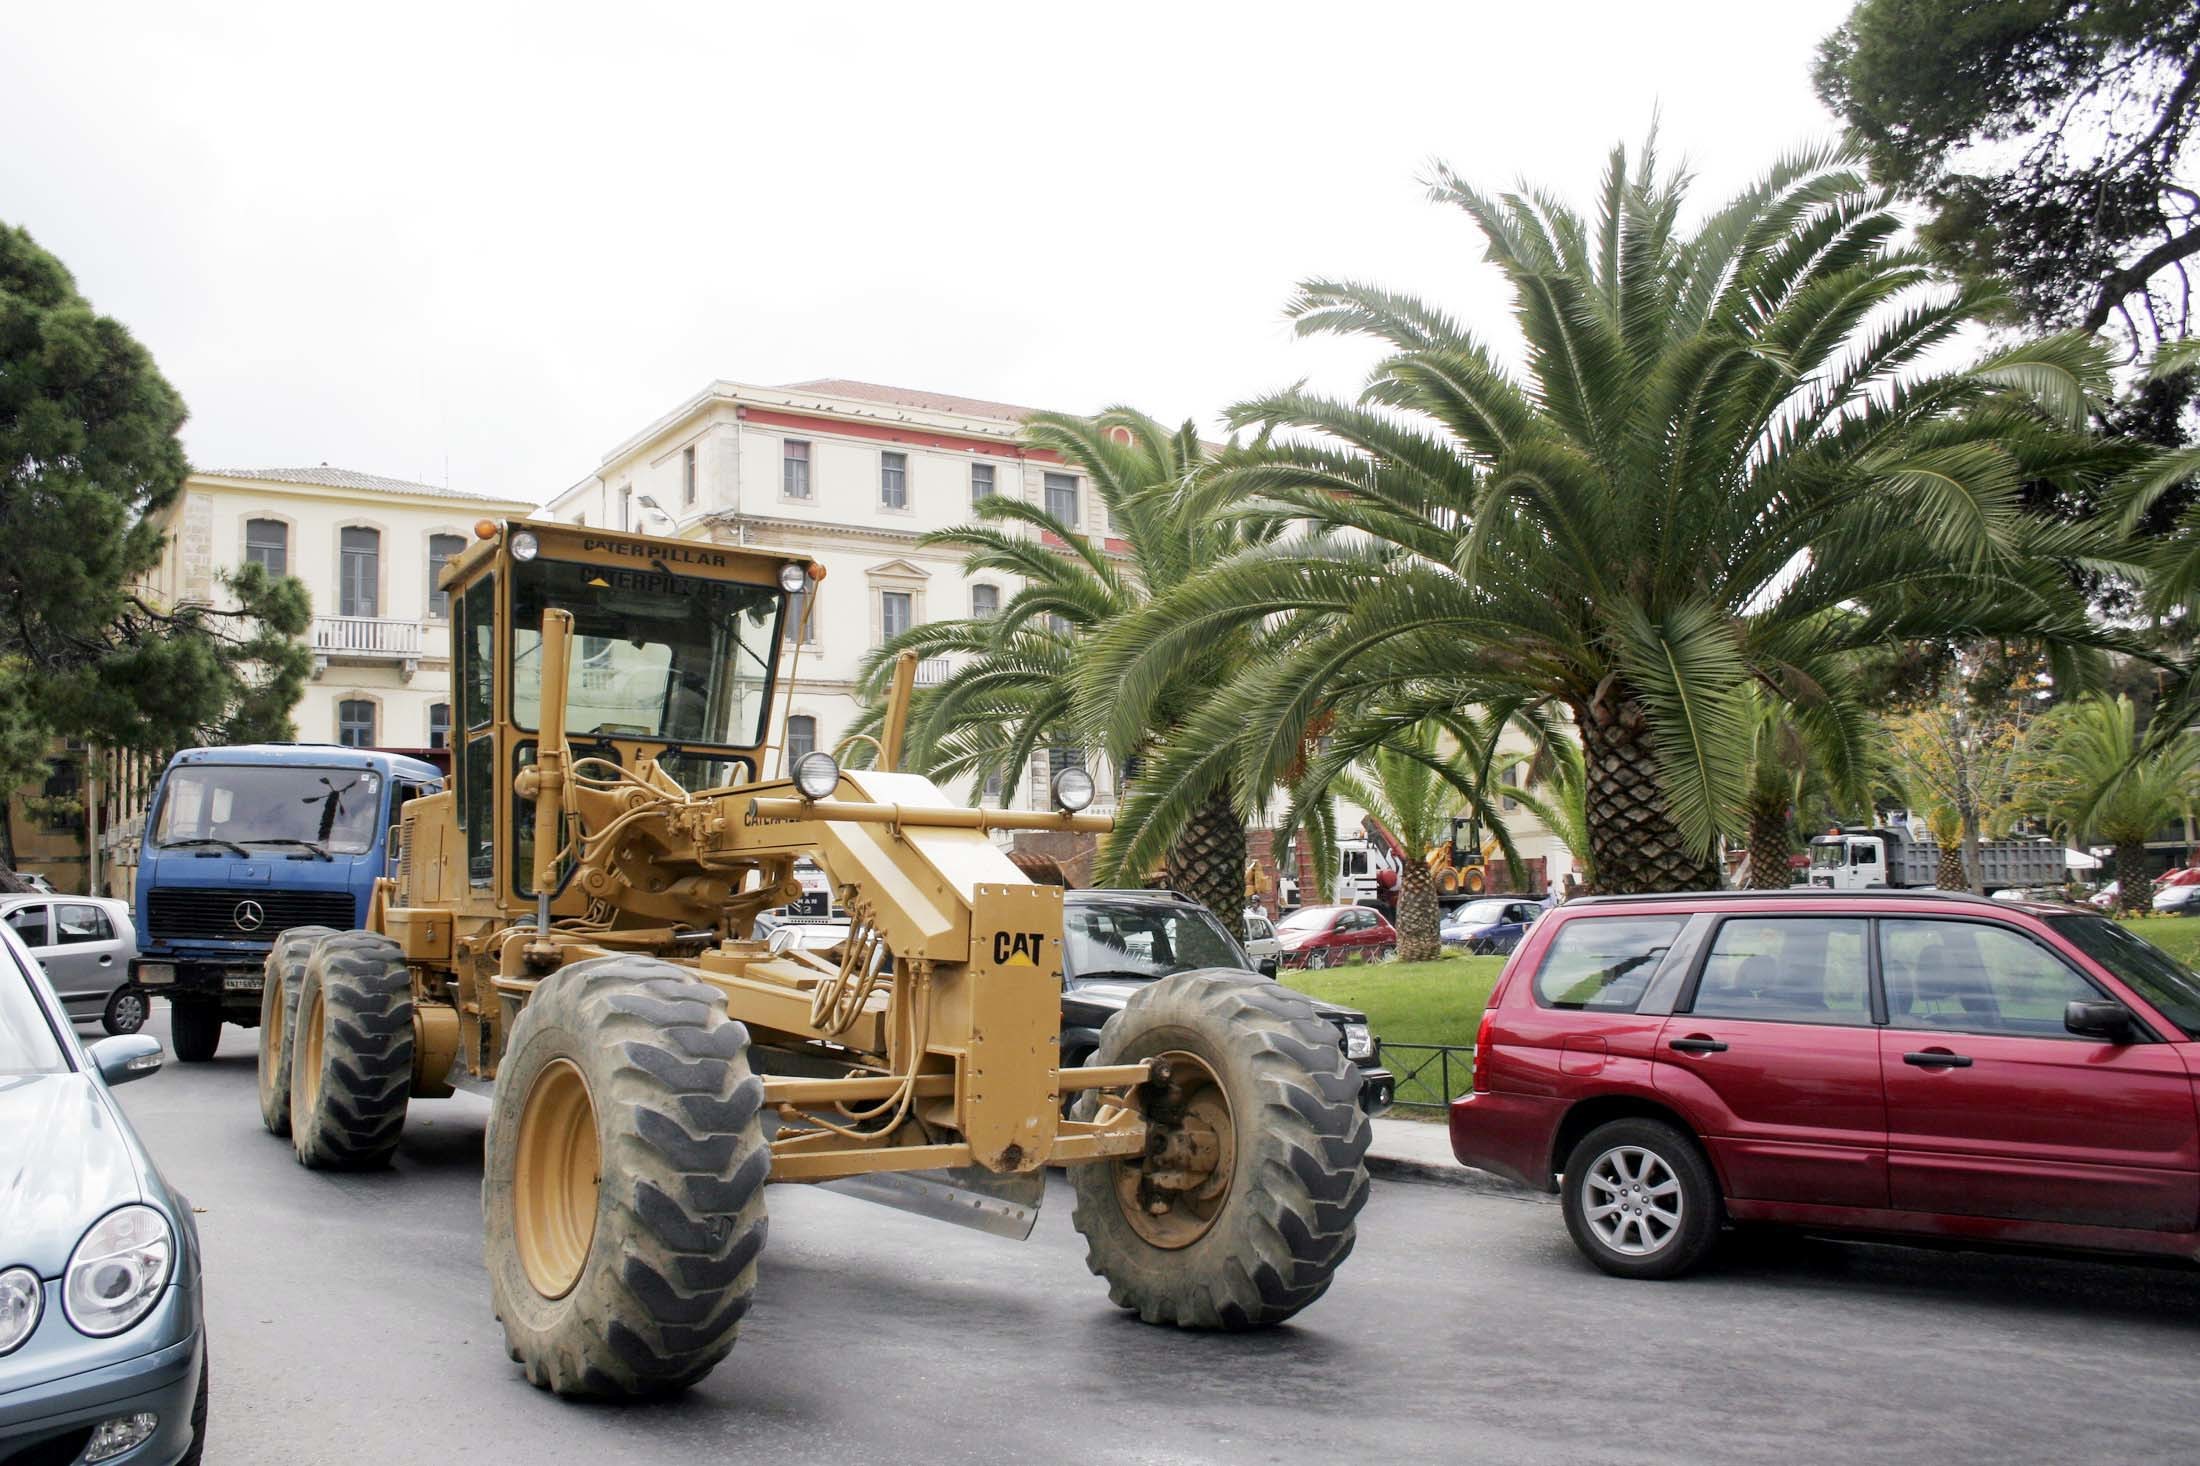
<point x="792" y="578"/>
<point x="816" y="774"/>
<point x="21" y="1297"/>
<point x="117" y="1271"/>
<point x="525" y="546"/>
<point x="1073" y="789"/>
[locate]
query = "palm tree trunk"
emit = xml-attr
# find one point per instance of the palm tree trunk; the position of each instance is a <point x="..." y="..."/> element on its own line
<point x="1633" y="843"/>
<point x="2134" y="887"/>
<point x="1769" y="848"/>
<point x="1207" y="862"/>
<point x="1418" y="917"/>
<point x="1948" y="872"/>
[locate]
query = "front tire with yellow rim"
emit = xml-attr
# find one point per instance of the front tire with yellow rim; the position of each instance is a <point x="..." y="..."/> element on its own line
<point x="623" y="1201"/>
<point x="351" y="1053"/>
<point x="284" y="971"/>
<point x="1243" y="1206"/>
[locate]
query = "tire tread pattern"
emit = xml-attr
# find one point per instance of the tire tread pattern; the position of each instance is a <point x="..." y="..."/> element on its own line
<point x="366" y="1053"/>
<point x="284" y="971"/>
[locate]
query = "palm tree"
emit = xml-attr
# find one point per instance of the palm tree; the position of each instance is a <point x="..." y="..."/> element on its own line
<point x="2103" y="785"/>
<point x="1727" y="466"/>
<point x="1410" y="785"/>
<point x="1784" y="779"/>
<point x="1011" y="690"/>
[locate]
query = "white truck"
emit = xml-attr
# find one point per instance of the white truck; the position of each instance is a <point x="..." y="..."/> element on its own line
<point x="1860" y="858"/>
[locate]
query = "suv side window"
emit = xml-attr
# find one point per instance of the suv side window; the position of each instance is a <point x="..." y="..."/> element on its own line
<point x="1603" y="963"/>
<point x="1970" y="977"/>
<point x="1788" y="969"/>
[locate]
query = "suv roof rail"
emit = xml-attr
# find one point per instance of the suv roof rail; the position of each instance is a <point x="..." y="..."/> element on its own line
<point x="1815" y="893"/>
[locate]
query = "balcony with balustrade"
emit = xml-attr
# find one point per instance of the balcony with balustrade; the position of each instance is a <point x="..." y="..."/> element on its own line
<point x="367" y="640"/>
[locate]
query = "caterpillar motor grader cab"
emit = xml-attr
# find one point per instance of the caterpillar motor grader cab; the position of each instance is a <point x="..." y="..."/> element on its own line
<point x="570" y="930"/>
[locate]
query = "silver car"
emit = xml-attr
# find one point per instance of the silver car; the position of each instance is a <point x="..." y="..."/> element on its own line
<point x="85" y="944"/>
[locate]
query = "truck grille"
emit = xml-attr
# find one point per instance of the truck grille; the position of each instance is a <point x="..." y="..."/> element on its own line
<point x="226" y="915"/>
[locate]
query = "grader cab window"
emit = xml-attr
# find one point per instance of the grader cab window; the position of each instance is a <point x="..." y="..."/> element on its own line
<point x="660" y="656"/>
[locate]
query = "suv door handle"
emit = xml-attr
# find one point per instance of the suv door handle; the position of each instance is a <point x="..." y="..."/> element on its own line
<point x="1698" y="1045"/>
<point x="1938" y="1059"/>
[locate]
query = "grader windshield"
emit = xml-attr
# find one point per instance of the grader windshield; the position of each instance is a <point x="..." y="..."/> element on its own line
<point x="657" y="655"/>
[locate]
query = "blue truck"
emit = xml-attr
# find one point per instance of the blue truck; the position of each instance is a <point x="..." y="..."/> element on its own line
<point x="243" y="843"/>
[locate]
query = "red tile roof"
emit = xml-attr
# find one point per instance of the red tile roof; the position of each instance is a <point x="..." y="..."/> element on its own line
<point x="911" y="397"/>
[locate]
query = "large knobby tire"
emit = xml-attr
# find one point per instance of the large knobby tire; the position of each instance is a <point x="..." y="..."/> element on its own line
<point x="194" y="1029"/>
<point x="285" y="970"/>
<point x="351" y="1053"/>
<point x="1640" y="1199"/>
<point x="633" y="1285"/>
<point x="1261" y="1237"/>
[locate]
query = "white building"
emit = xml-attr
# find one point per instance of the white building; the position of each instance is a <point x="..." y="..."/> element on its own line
<point x="367" y="549"/>
<point x="849" y="475"/>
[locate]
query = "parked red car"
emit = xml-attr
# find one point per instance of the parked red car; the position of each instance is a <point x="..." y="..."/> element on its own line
<point x="1920" y="1064"/>
<point x="1326" y="936"/>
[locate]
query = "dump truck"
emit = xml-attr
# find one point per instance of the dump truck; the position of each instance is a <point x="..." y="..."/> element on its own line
<point x="1863" y="857"/>
<point x="570" y="932"/>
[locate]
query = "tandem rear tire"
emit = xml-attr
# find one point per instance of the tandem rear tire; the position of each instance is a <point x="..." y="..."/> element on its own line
<point x="194" y="1029"/>
<point x="351" y="1053"/>
<point x="285" y="970"/>
<point x="623" y="1200"/>
<point x="1243" y="1213"/>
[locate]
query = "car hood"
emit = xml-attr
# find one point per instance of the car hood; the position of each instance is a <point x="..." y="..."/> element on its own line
<point x="1114" y="992"/>
<point x="65" y="1161"/>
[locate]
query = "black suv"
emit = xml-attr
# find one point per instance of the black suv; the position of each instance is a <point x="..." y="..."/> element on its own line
<point x="1115" y="942"/>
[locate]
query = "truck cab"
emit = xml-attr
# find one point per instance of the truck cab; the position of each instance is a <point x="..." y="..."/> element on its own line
<point x="244" y="843"/>
<point x="1848" y="862"/>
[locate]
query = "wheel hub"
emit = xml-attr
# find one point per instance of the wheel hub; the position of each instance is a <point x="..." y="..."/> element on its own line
<point x="1173" y="1193"/>
<point x="1632" y="1200"/>
<point x="557" y="1172"/>
<point x="306" y="1051"/>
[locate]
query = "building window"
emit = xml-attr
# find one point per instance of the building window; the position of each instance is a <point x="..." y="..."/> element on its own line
<point x="801" y="737"/>
<point x="267" y="543"/>
<point x="442" y="550"/>
<point x="985" y="602"/>
<point x="1062" y="497"/>
<point x="981" y="481"/>
<point x="439" y="725"/>
<point x="794" y="469"/>
<point x="896" y="609"/>
<point x="359" y="573"/>
<point x="355" y="723"/>
<point x="801" y="607"/>
<point x="626" y="507"/>
<point x="993" y="787"/>
<point x="893" y="480"/>
<point x="1062" y="756"/>
<point x="687" y="474"/>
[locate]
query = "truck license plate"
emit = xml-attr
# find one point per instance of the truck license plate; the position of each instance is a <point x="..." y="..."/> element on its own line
<point x="242" y="982"/>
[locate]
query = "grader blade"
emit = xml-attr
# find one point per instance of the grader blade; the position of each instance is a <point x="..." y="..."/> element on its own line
<point x="969" y="1196"/>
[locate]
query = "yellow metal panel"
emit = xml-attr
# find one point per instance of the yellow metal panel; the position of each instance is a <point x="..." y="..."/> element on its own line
<point x="1013" y="988"/>
<point x="424" y="932"/>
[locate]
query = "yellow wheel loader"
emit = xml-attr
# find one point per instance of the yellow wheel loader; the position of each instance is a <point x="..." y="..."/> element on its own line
<point x="571" y="930"/>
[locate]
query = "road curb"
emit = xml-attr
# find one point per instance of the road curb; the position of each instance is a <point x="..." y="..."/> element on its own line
<point x="1464" y="1178"/>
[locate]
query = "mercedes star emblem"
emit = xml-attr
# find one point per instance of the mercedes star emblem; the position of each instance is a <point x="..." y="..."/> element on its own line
<point x="248" y="916"/>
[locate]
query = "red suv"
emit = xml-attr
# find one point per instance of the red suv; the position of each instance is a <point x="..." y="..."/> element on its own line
<point x="1901" y="1063"/>
<point x="1328" y="936"/>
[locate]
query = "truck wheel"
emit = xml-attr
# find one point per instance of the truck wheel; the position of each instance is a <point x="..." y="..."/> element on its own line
<point x="286" y="968"/>
<point x="351" y="1053"/>
<point x="194" y="1028"/>
<point x="623" y="1200"/>
<point x="1242" y="1209"/>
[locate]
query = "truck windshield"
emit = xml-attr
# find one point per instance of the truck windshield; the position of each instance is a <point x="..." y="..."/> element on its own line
<point x="655" y="655"/>
<point x="1826" y="856"/>
<point x="255" y="806"/>
<point x="2161" y="979"/>
<point x="1143" y="939"/>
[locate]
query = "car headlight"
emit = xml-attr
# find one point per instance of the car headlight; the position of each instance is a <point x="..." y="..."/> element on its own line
<point x="1359" y="1041"/>
<point x="525" y="547"/>
<point x="1073" y="789"/>
<point x="21" y="1298"/>
<point x="118" y="1270"/>
<point x="816" y="774"/>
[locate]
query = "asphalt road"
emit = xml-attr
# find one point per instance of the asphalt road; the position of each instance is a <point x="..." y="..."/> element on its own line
<point x="350" y="1323"/>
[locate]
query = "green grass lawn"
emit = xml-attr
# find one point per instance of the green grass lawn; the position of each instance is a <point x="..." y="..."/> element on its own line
<point x="2177" y="935"/>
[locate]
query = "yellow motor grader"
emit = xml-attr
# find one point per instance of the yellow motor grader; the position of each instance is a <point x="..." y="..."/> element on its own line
<point x="572" y="931"/>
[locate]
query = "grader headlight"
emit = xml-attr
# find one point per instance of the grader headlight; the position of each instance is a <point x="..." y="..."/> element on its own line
<point x="816" y="774"/>
<point x="792" y="577"/>
<point x="1073" y="790"/>
<point x="525" y="547"/>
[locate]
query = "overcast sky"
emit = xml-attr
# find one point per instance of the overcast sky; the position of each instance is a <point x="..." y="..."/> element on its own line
<point x="485" y="244"/>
